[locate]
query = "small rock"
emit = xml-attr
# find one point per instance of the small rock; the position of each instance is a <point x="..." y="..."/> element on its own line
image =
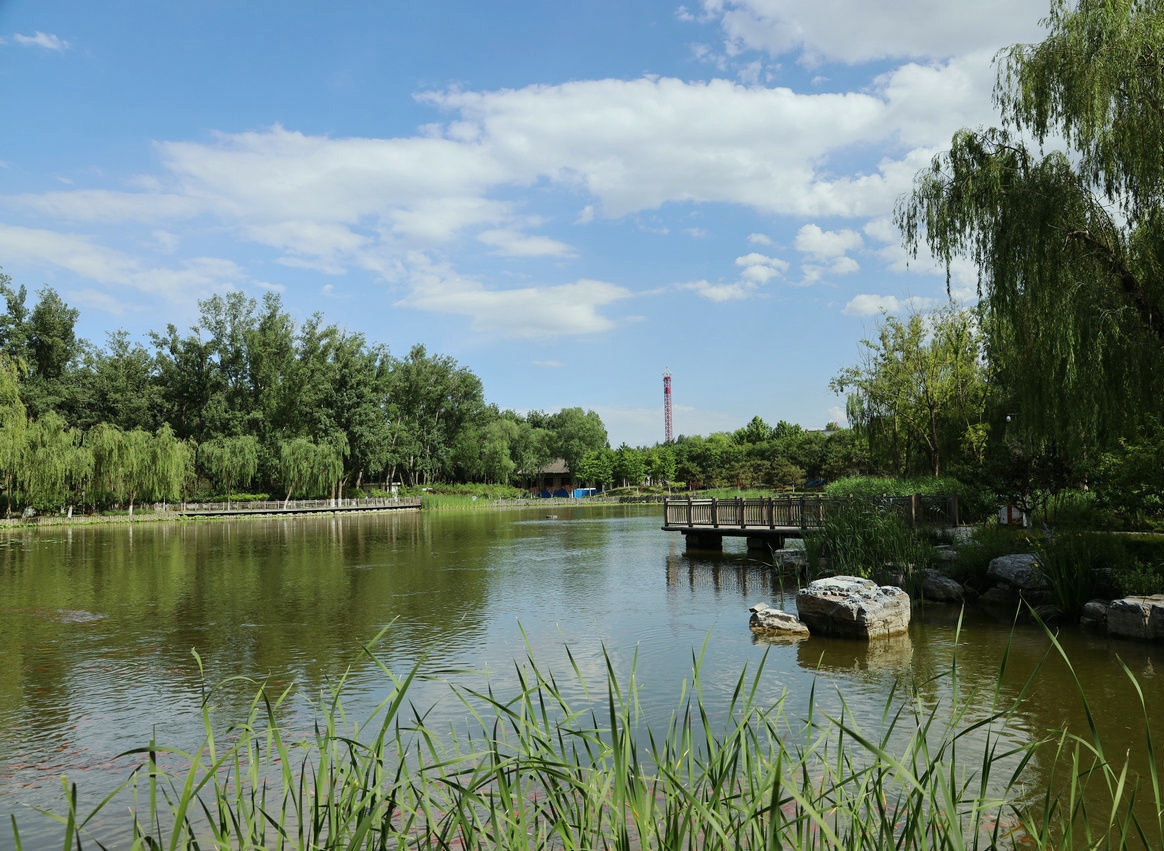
<point x="1094" y="614"/>
<point x="769" y="620"/>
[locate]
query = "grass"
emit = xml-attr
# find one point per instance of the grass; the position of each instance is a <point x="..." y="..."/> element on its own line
<point x="532" y="771"/>
<point x="860" y="538"/>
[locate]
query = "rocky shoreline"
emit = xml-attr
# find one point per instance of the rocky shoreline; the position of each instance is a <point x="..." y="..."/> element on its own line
<point x="854" y="607"/>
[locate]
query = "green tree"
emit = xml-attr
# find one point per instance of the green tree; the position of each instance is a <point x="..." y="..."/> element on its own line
<point x="121" y="386"/>
<point x="630" y="467"/>
<point x="920" y="390"/>
<point x="661" y="464"/>
<point x="230" y="461"/>
<point x="596" y="467"/>
<point x="1069" y="244"/>
<point x="431" y="398"/>
<point x="576" y="432"/>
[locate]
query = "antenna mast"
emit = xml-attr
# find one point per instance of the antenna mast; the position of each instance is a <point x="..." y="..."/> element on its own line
<point x="667" y="402"/>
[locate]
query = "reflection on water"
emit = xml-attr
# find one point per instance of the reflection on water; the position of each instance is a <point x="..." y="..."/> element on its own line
<point x="99" y="626"/>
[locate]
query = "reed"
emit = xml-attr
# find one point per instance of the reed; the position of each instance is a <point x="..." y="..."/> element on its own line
<point x="532" y="770"/>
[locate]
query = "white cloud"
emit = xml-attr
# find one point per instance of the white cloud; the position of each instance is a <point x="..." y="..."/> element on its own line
<point x="193" y="278"/>
<point x="873" y="305"/>
<point x="859" y="32"/>
<point x="822" y="244"/>
<point x="632" y="146"/>
<point x="48" y="41"/>
<point x="525" y="313"/>
<point x="759" y="239"/>
<point x="759" y="268"/>
<point x="511" y="243"/>
<point x="548" y="364"/>
<point x="721" y="292"/>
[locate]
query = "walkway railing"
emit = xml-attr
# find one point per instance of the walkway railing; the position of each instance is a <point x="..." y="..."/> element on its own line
<point x="797" y="512"/>
<point x="298" y="505"/>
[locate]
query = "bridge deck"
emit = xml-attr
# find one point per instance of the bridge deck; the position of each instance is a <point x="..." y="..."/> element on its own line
<point x="781" y="517"/>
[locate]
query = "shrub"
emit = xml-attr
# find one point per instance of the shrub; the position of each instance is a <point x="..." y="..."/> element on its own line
<point x="1077" y="565"/>
<point x="861" y="538"/>
<point x="976" y="503"/>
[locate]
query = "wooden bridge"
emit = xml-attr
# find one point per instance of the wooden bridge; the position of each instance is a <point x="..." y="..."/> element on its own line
<point x="770" y="521"/>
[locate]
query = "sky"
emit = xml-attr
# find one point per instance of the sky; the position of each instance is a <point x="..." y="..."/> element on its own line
<point x="567" y="198"/>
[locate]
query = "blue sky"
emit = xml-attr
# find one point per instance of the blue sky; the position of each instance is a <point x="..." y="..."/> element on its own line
<point x="566" y="198"/>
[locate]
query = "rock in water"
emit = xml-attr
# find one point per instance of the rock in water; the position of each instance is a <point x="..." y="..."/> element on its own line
<point x="852" y="607"/>
<point x="1137" y="617"/>
<point x="940" y="589"/>
<point x="774" y="621"/>
<point x="1020" y="571"/>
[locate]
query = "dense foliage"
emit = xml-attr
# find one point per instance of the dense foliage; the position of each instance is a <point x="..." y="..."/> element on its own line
<point x="1068" y="243"/>
<point x="249" y="401"/>
<point x="246" y="400"/>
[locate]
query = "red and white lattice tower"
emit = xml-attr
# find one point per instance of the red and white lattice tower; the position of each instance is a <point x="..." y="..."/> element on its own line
<point x="667" y="402"/>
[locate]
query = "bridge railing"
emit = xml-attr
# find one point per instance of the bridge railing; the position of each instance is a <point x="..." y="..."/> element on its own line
<point x="798" y="512"/>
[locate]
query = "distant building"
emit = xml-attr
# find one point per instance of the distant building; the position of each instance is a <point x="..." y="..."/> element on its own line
<point x="554" y="479"/>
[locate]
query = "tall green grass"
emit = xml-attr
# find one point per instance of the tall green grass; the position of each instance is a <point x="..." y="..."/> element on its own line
<point x="532" y="771"/>
<point x="862" y="538"/>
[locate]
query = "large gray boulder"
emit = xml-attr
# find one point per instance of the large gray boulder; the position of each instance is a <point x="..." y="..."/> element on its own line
<point x="1020" y="571"/>
<point x="939" y="588"/>
<point x="770" y="621"/>
<point x="1137" y="617"/>
<point x="852" y="607"/>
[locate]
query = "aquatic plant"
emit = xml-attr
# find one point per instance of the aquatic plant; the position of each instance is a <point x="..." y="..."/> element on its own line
<point x="863" y="538"/>
<point x="531" y="770"/>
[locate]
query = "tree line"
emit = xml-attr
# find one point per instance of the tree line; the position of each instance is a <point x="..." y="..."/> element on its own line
<point x="246" y="399"/>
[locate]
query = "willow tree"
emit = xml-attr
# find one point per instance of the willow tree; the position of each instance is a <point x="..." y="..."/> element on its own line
<point x="313" y="467"/>
<point x="171" y="465"/>
<point x="1069" y="244"/>
<point x="229" y="461"/>
<point x="121" y="462"/>
<point x="55" y="465"/>
<point x="13" y="423"/>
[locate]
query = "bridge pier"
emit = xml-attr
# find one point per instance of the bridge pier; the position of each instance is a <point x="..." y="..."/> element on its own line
<point x="765" y="543"/>
<point x="703" y="540"/>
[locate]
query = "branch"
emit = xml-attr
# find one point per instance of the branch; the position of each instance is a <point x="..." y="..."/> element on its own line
<point x="1129" y="283"/>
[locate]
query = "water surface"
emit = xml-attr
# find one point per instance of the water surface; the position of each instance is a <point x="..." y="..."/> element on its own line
<point x="99" y="627"/>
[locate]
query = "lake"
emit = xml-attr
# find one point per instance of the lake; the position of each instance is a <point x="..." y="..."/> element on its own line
<point x="99" y="627"/>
